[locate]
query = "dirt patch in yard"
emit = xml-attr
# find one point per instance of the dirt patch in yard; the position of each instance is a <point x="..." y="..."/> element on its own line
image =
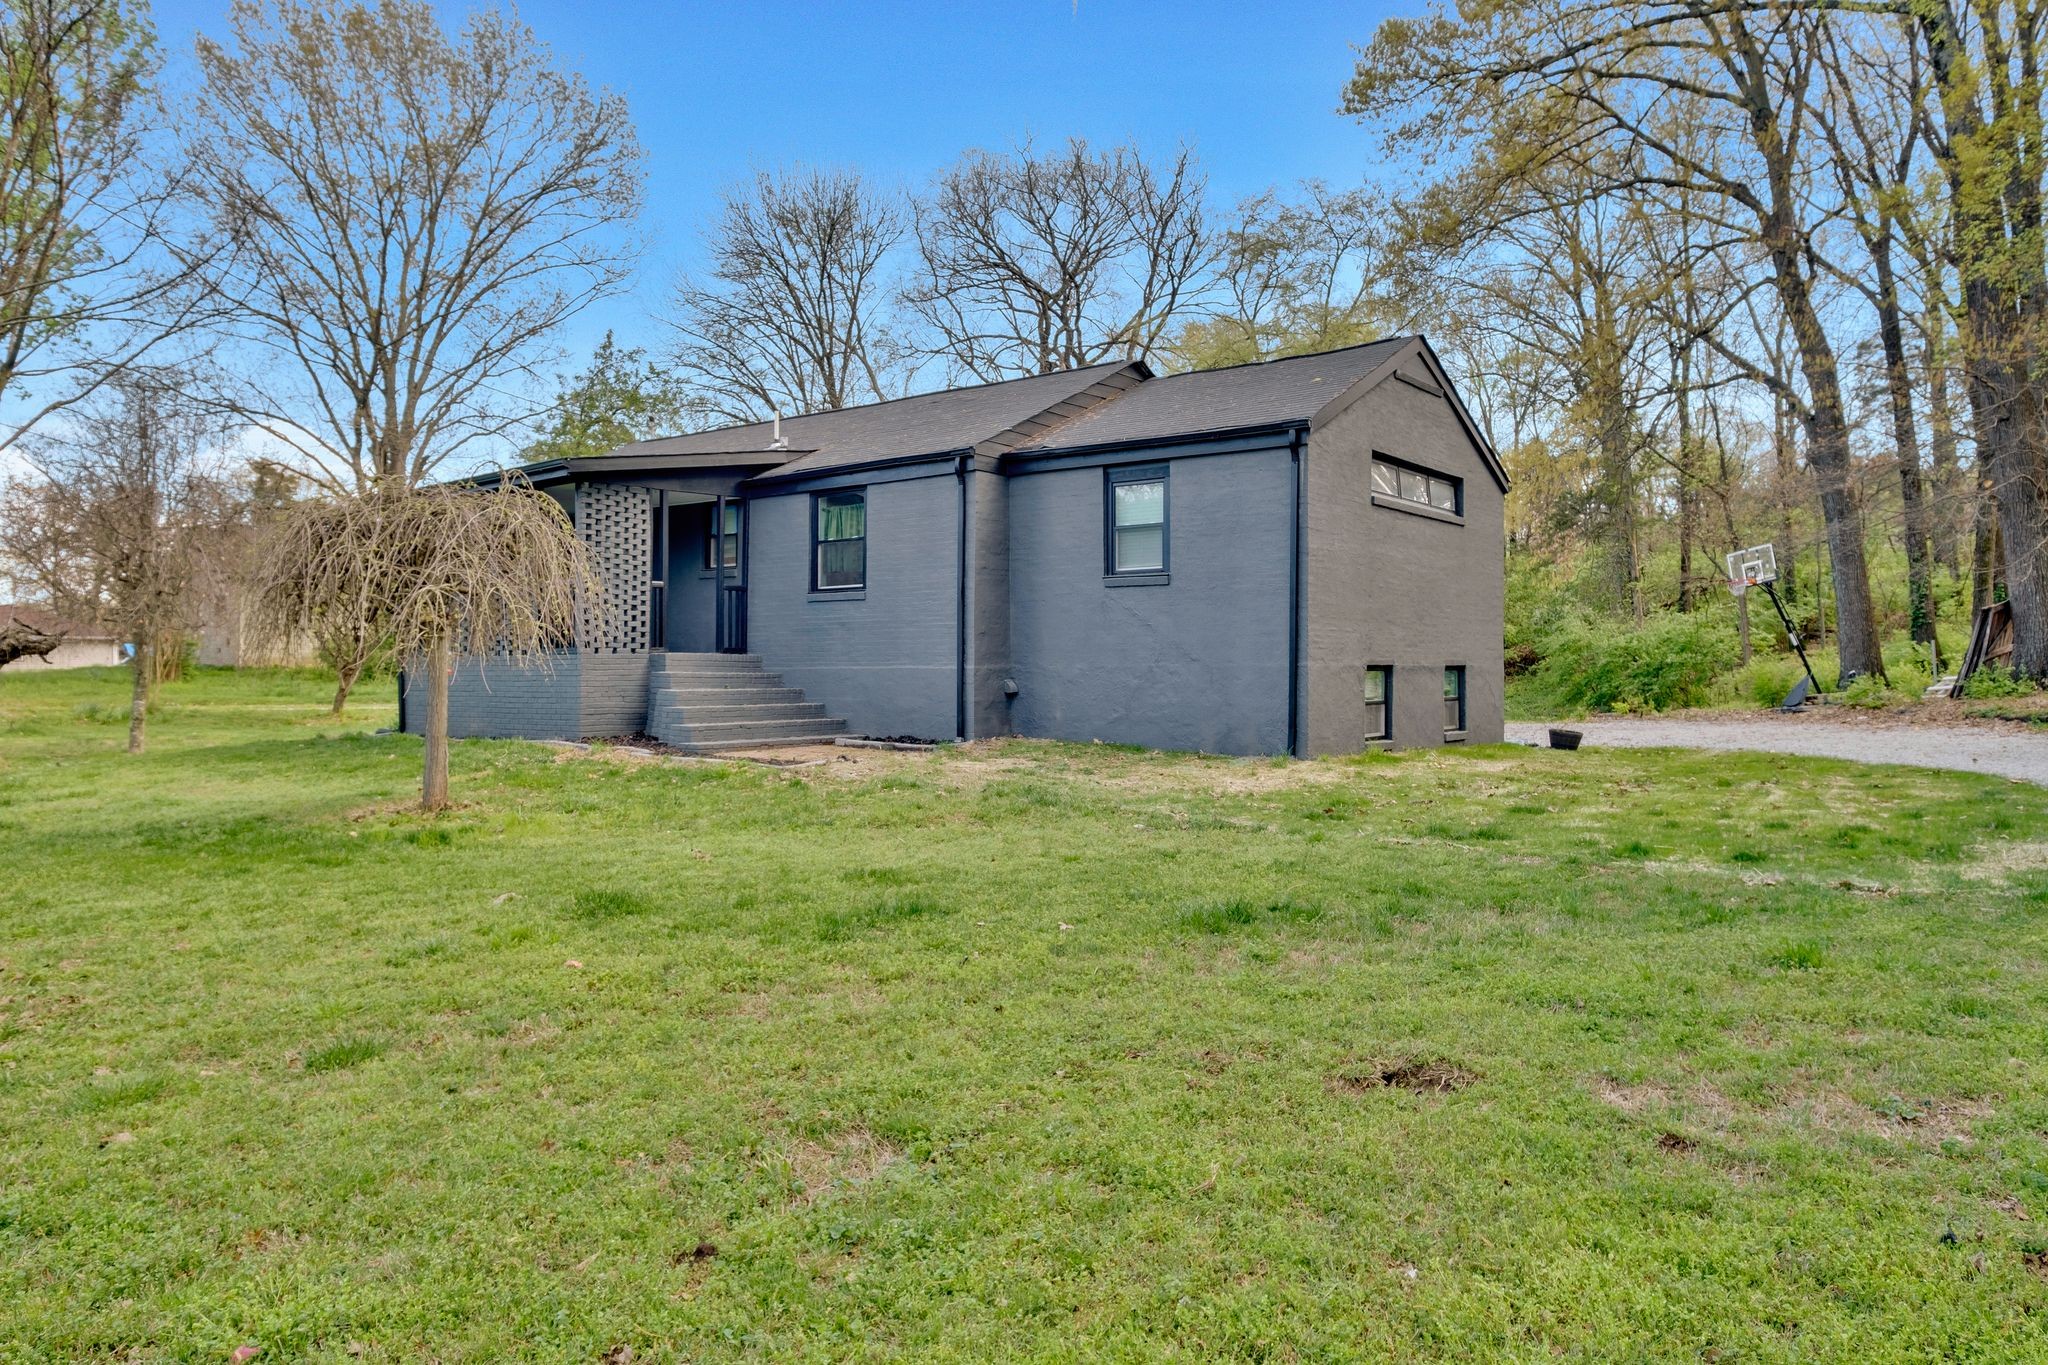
<point x="1425" y="1075"/>
<point x="845" y="1158"/>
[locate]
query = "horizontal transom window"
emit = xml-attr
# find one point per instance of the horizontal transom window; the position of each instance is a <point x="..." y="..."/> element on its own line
<point x="1409" y="483"/>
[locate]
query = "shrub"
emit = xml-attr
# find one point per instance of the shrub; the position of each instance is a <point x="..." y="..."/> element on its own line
<point x="1997" y="680"/>
<point x="1672" y="661"/>
<point x="1870" y="693"/>
<point x="1764" y="680"/>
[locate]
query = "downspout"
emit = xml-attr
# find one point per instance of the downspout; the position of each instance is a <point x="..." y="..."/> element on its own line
<point x="1294" y="456"/>
<point x="960" y="608"/>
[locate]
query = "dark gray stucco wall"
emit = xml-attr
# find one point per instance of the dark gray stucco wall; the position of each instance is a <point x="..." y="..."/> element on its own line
<point x="1196" y="662"/>
<point x="1384" y="586"/>
<point x="882" y="658"/>
<point x="692" y="589"/>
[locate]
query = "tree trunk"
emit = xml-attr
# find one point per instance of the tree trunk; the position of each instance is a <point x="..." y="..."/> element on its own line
<point x="1997" y="216"/>
<point x="1983" y="552"/>
<point x="1950" y="506"/>
<point x="1827" y="454"/>
<point x="344" y="681"/>
<point x="1906" y="439"/>
<point x="1688" y="482"/>
<point x="434" y="780"/>
<point x="138" y="696"/>
<point x="1785" y="446"/>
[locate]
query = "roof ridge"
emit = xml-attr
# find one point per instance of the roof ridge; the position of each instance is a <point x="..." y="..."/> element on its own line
<point x="1283" y="359"/>
<point x="886" y="402"/>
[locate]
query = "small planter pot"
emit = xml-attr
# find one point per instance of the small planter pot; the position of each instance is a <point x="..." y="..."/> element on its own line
<point x="1565" y="739"/>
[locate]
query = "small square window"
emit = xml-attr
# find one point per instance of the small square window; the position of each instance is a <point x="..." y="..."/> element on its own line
<point x="1379" y="703"/>
<point x="1454" y="700"/>
<point x="1137" y="520"/>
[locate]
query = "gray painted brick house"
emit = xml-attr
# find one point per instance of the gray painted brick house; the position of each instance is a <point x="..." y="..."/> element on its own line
<point x="1301" y="556"/>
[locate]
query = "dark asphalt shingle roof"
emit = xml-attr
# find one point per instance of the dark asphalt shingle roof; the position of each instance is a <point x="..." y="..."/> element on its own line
<point x="1271" y="392"/>
<point x="924" y="424"/>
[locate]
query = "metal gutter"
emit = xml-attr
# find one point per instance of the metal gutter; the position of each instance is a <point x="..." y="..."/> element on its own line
<point x="960" y="608"/>
<point x="1295" y="454"/>
<point x="1028" y="455"/>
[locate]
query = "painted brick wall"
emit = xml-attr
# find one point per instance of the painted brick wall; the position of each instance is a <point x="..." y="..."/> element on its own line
<point x="1197" y="662"/>
<point x="881" y="658"/>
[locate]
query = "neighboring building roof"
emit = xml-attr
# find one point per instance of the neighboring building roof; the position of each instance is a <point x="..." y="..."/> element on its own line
<point x="1264" y="393"/>
<point x="49" y="623"/>
<point x="903" y="428"/>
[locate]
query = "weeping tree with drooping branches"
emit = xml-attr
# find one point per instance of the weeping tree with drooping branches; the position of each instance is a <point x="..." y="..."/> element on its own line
<point x="451" y="572"/>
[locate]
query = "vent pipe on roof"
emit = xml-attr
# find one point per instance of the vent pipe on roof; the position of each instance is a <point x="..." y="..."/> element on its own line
<point x="778" y="443"/>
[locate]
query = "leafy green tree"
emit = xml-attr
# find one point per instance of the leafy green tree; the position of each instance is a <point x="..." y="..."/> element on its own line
<point x="620" y="397"/>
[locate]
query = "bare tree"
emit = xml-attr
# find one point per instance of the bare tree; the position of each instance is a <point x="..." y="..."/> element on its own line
<point x="451" y="572"/>
<point x="114" y="526"/>
<point x="1030" y="263"/>
<point x="1307" y="272"/>
<point x="417" y="212"/>
<point x="792" y="314"/>
<point x="92" y="273"/>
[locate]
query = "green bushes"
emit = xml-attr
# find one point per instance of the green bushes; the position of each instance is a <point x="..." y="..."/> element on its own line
<point x="1996" y="680"/>
<point x="1673" y="661"/>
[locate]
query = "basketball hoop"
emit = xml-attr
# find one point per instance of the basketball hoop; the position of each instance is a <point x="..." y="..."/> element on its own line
<point x="1751" y="568"/>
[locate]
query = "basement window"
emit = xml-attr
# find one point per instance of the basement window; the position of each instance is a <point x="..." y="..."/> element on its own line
<point x="1135" y="532"/>
<point x="839" y="538"/>
<point x="1412" y="483"/>
<point x="1379" y="703"/>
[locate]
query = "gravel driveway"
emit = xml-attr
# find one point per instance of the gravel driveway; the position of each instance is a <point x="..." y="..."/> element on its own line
<point x="2007" y="750"/>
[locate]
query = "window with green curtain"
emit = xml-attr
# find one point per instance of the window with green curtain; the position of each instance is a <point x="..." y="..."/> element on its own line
<point x="842" y="533"/>
<point x="1137" y="519"/>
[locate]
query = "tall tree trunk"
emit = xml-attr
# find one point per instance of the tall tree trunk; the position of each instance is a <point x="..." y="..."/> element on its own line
<point x="1906" y="438"/>
<point x="1827" y="454"/>
<point x="434" y="779"/>
<point x="1688" y="481"/>
<point x="1995" y="204"/>
<point x="1950" y="505"/>
<point x="1786" y="448"/>
<point x="1984" y="553"/>
<point x="138" y="695"/>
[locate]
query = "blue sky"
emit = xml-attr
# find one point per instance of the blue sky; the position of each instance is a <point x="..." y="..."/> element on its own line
<point x="900" y="89"/>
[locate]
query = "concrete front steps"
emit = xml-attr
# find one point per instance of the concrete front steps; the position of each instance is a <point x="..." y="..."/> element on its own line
<point x="703" y="703"/>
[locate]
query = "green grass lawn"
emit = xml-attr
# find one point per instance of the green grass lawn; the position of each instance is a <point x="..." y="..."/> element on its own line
<point x="1031" y="1051"/>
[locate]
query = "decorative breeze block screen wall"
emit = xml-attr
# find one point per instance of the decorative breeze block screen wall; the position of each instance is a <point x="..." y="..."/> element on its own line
<point x="616" y="524"/>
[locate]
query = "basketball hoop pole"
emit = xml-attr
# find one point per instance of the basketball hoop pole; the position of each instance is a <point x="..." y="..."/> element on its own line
<point x="1792" y="635"/>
